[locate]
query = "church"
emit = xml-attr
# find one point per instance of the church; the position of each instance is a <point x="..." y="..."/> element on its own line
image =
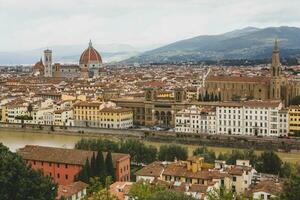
<point x="275" y="86"/>
<point x="90" y="63"/>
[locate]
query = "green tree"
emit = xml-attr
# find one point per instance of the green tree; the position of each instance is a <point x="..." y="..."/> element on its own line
<point x="269" y="162"/>
<point x="30" y="109"/>
<point x="109" y="166"/>
<point x="93" y="170"/>
<point x="102" y="194"/>
<point x="170" y="152"/>
<point x="209" y="156"/>
<point x="100" y="166"/>
<point x="224" y="194"/>
<point x="84" y="174"/>
<point x="291" y="187"/>
<point x="139" y="152"/>
<point x="144" y="190"/>
<point x="170" y="195"/>
<point x="19" y="182"/>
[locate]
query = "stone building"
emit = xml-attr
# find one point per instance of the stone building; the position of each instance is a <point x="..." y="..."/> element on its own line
<point x="275" y="86"/>
<point x="90" y="64"/>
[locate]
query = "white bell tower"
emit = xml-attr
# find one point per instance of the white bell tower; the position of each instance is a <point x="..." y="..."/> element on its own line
<point x="48" y="63"/>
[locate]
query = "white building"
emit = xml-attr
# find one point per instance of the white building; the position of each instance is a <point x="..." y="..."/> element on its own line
<point x="63" y="117"/>
<point x="196" y="120"/>
<point x="260" y="118"/>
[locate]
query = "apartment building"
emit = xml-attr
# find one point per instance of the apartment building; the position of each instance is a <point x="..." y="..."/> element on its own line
<point x="196" y="120"/>
<point x="294" y="119"/>
<point x="102" y="115"/>
<point x="255" y="118"/>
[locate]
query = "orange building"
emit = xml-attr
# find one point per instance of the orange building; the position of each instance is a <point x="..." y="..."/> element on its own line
<point x="63" y="165"/>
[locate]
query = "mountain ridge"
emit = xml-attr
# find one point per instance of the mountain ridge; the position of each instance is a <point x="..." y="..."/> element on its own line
<point x="248" y="43"/>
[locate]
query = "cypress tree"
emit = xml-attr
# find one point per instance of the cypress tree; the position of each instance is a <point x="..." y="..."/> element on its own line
<point x="200" y="97"/>
<point x="84" y="172"/>
<point x="100" y="166"/>
<point x="93" y="171"/>
<point x="211" y="97"/>
<point x="109" y="166"/>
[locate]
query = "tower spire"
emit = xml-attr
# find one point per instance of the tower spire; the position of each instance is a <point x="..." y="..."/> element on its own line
<point x="276" y="49"/>
<point x="90" y="43"/>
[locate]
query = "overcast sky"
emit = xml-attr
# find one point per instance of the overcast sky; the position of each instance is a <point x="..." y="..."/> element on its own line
<point x="29" y="24"/>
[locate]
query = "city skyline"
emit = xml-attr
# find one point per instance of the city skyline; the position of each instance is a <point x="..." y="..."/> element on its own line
<point x="37" y="24"/>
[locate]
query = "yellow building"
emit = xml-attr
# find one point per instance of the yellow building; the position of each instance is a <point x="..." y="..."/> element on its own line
<point x="102" y="115"/>
<point x="294" y="119"/>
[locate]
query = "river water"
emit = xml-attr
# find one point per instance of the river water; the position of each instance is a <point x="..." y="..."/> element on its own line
<point x="15" y="140"/>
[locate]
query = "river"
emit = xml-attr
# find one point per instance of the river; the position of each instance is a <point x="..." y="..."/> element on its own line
<point x="15" y="140"/>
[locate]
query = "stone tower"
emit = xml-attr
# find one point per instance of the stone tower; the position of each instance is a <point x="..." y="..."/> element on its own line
<point x="48" y="63"/>
<point x="275" y="84"/>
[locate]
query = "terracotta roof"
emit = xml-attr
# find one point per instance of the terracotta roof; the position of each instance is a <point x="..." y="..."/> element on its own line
<point x="71" y="189"/>
<point x="268" y="186"/>
<point x="120" y="189"/>
<point x="62" y="155"/>
<point x="90" y="55"/>
<point x="154" y="169"/>
<point x="237" y="79"/>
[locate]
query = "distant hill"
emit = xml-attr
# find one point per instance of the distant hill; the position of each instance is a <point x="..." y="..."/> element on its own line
<point x="248" y="43"/>
<point x="71" y="53"/>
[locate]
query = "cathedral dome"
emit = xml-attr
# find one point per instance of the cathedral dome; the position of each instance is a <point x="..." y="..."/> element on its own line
<point x="90" y="55"/>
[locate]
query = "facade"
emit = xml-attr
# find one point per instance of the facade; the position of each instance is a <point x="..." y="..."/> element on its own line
<point x="63" y="165"/>
<point x="275" y="86"/>
<point x="255" y="118"/>
<point x="294" y="119"/>
<point x="48" y="63"/>
<point x="102" y="115"/>
<point x="63" y="117"/>
<point x="12" y="110"/>
<point x="196" y="120"/>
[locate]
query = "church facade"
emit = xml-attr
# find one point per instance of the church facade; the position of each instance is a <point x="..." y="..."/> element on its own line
<point x="274" y="87"/>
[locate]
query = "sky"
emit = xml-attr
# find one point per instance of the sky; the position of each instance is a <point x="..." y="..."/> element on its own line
<point x="30" y="24"/>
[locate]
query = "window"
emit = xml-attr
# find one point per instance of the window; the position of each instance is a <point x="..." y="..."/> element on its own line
<point x="66" y="166"/>
<point x="234" y="179"/>
<point x="58" y="175"/>
<point x="66" y="176"/>
<point x="50" y="164"/>
<point x="58" y="165"/>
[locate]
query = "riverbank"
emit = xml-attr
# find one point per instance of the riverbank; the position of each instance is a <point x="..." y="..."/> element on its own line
<point x="228" y="141"/>
<point x="18" y="138"/>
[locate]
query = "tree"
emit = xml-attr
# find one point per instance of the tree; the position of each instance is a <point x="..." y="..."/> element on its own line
<point x="19" y="182"/>
<point x="84" y="174"/>
<point x="144" y="190"/>
<point x="93" y="171"/>
<point x="30" y="109"/>
<point x="139" y="152"/>
<point x="170" y="195"/>
<point x="100" y="166"/>
<point x="224" y="194"/>
<point x="269" y="162"/>
<point x="102" y="194"/>
<point x="295" y="100"/>
<point x="291" y="187"/>
<point x="110" y="171"/>
<point x="170" y="152"/>
<point x="209" y="156"/>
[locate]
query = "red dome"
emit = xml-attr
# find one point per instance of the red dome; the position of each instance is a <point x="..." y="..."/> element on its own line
<point x="90" y="55"/>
